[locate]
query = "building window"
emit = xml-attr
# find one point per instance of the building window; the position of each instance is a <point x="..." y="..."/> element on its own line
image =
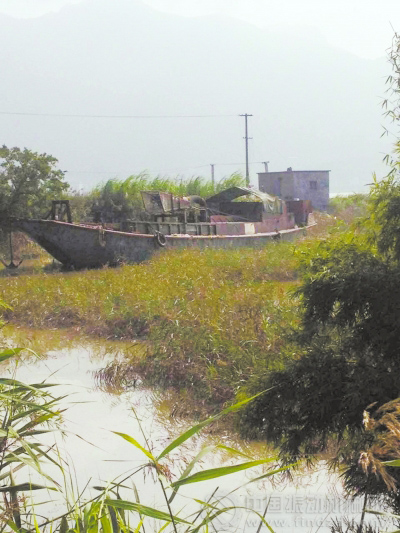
<point x="278" y="187"/>
<point x="313" y="185"/>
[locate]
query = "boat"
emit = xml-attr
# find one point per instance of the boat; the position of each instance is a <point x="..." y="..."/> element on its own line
<point x="236" y="217"/>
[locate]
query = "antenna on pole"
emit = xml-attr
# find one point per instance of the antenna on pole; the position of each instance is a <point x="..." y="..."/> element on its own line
<point x="246" y="115"/>
<point x="212" y="176"/>
<point x="265" y="163"/>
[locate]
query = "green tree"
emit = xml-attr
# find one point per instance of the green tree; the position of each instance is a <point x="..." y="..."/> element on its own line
<point x="346" y="362"/>
<point x="346" y="346"/>
<point x="28" y="182"/>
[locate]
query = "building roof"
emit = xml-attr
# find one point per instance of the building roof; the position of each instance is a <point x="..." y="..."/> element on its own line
<point x="287" y="171"/>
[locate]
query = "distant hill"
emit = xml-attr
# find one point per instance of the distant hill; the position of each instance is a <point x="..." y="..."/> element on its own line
<point x="314" y="106"/>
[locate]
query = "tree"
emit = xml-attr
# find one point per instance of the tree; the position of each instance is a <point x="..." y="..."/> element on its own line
<point x="347" y="350"/>
<point x="28" y="182"/>
<point x="347" y="346"/>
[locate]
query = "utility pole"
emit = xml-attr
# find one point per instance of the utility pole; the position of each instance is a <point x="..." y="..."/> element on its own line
<point x="212" y="176"/>
<point x="266" y="166"/>
<point x="246" y="115"/>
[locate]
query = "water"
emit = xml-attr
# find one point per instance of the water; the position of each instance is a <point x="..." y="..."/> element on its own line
<point x="96" y="455"/>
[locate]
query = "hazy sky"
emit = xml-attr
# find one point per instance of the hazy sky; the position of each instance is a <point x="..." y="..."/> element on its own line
<point x="312" y="78"/>
<point x="360" y="26"/>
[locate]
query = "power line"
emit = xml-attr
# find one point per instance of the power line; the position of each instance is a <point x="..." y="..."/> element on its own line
<point x="177" y="169"/>
<point x="65" y="115"/>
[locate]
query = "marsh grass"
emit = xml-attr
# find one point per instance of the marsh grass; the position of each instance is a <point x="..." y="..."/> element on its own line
<point x="206" y="319"/>
<point x="200" y="321"/>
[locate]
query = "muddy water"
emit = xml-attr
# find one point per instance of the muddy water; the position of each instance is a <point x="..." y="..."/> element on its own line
<point x="96" y="455"/>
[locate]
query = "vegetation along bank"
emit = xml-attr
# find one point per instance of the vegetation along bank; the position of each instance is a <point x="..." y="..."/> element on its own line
<point x="314" y="323"/>
<point x="204" y="320"/>
<point x="313" y="327"/>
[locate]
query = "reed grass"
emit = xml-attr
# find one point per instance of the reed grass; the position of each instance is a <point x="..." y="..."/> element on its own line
<point x="27" y="411"/>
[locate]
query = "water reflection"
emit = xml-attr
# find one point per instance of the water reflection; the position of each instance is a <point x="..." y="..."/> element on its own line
<point x="95" y="453"/>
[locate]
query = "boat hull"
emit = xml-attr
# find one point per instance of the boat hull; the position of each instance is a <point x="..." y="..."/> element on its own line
<point x="79" y="246"/>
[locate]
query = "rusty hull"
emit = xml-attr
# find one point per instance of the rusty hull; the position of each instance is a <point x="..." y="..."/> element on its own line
<point x="80" y="246"/>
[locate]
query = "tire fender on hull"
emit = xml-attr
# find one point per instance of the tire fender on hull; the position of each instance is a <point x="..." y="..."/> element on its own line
<point x="160" y="238"/>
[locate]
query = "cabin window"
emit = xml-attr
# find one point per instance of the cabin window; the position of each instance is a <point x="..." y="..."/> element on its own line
<point x="313" y="185"/>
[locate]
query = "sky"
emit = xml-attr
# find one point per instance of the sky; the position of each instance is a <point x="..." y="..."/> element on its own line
<point x="363" y="27"/>
<point x="313" y="78"/>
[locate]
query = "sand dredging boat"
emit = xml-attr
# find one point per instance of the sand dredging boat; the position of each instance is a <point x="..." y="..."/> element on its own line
<point x="235" y="217"/>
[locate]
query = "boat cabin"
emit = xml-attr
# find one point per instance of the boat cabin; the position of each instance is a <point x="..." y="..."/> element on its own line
<point x="234" y="211"/>
<point x="256" y="207"/>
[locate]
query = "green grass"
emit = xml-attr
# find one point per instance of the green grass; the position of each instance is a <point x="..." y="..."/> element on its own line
<point x="202" y="322"/>
<point x="207" y="319"/>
